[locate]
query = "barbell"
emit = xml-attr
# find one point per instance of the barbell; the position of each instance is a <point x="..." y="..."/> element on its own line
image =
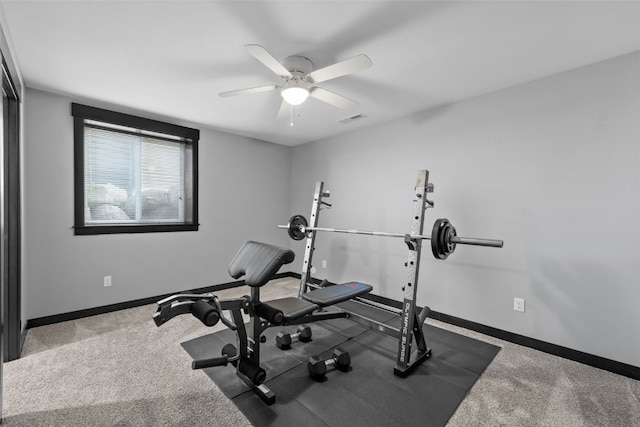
<point x="443" y="235"/>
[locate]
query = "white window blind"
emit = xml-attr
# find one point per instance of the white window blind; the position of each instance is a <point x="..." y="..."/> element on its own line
<point x="132" y="176"/>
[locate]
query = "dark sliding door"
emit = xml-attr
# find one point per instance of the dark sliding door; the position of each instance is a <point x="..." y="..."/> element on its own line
<point x="10" y="227"/>
<point x="12" y="216"/>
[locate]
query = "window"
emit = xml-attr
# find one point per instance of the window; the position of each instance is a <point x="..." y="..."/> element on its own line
<point x="133" y="175"/>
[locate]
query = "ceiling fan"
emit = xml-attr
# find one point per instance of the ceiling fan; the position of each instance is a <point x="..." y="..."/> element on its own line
<point x="300" y="79"/>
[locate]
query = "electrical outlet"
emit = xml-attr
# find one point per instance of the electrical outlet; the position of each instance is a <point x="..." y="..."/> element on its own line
<point x="324" y="263"/>
<point x="518" y="304"/>
<point x="107" y="281"/>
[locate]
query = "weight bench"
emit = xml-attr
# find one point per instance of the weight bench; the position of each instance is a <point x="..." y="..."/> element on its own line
<point x="294" y="309"/>
<point x="258" y="263"/>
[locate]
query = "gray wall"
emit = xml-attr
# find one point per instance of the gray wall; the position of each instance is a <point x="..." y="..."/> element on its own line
<point x="552" y="167"/>
<point x="244" y="194"/>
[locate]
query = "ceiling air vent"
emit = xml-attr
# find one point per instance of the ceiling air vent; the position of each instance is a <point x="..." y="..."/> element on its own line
<point x="352" y="119"/>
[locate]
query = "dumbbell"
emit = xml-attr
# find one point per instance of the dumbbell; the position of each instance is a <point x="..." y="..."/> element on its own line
<point x="318" y="366"/>
<point x="284" y="338"/>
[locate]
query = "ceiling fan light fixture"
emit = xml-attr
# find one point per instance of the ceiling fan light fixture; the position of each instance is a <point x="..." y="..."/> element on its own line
<point x="294" y="93"/>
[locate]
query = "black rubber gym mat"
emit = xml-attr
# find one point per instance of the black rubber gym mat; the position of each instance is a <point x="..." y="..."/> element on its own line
<point x="369" y="394"/>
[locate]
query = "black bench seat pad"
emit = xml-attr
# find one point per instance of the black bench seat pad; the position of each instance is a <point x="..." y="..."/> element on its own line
<point x="330" y="295"/>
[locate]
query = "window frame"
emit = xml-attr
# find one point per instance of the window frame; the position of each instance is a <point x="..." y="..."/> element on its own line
<point x="191" y="136"/>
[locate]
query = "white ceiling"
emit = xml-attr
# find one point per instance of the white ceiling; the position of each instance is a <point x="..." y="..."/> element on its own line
<point x="172" y="58"/>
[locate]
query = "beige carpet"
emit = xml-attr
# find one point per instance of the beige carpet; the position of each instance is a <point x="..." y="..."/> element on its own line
<point x="119" y="369"/>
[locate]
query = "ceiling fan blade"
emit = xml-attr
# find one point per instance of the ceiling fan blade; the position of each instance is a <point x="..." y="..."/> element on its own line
<point x="267" y="59"/>
<point x="285" y="111"/>
<point x="248" y="90"/>
<point x="332" y="98"/>
<point x="339" y="69"/>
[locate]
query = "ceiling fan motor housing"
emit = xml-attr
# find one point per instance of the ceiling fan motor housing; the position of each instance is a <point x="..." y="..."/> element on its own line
<point x="299" y="66"/>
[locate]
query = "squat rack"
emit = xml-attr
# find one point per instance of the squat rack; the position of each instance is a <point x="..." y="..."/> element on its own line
<point x="410" y="329"/>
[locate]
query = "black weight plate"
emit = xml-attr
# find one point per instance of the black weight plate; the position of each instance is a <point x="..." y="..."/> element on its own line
<point x="451" y="246"/>
<point x="296" y="224"/>
<point x="436" y="231"/>
<point x="442" y="239"/>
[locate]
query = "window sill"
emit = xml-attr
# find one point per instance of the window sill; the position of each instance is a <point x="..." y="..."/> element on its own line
<point x="123" y="229"/>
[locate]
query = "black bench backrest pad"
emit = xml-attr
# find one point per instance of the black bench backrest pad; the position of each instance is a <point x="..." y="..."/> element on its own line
<point x="330" y="295"/>
<point x="259" y="262"/>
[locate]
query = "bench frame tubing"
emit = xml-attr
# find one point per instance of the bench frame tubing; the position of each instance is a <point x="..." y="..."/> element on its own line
<point x="410" y="330"/>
